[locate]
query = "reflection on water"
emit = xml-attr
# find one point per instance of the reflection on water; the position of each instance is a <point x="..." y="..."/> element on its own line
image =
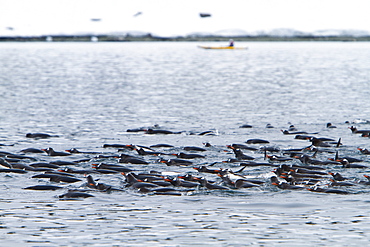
<point x="89" y="94"/>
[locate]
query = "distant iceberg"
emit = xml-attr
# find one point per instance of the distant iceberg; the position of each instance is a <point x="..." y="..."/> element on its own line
<point x="340" y="32"/>
<point x="285" y="32"/>
<point x="133" y="33"/>
<point x="282" y="32"/>
<point x="232" y="33"/>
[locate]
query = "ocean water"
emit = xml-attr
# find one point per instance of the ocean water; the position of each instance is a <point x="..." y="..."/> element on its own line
<point x="90" y="94"/>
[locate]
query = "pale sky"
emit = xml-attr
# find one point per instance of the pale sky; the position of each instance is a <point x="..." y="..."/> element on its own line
<point x="179" y="17"/>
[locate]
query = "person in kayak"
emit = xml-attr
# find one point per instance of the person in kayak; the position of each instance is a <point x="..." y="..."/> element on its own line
<point x="231" y="43"/>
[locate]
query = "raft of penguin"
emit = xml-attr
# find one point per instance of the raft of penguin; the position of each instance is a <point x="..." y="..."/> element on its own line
<point x="312" y="167"/>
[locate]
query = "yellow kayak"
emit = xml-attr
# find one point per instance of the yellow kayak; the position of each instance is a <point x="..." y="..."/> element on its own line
<point x="223" y="47"/>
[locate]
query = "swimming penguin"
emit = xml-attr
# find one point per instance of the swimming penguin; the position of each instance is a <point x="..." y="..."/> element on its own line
<point x="240" y="155"/>
<point x="323" y="190"/>
<point x="256" y="141"/>
<point x="176" y="162"/>
<point x="43" y="187"/>
<point x="51" y="152"/>
<point x="124" y="158"/>
<point x="188" y="156"/>
<point x="39" y="135"/>
<point x="357" y="131"/>
<point x="176" y="181"/>
<point x="204" y="182"/>
<point x="75" y="194"/>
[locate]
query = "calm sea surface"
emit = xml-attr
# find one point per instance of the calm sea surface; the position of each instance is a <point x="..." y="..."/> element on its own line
<point x="89" y="94"/>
